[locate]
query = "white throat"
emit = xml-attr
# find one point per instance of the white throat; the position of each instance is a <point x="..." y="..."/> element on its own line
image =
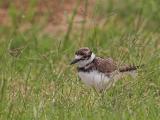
<point x="85" y="62"/>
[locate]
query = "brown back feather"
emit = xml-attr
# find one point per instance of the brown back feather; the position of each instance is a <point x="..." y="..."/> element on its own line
<point x="105" y="65"/>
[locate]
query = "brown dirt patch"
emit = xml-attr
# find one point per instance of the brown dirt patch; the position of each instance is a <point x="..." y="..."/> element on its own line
<point x="57" y="12"/>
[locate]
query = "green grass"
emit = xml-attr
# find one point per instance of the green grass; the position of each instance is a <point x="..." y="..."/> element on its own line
<point x="37" y="82"/>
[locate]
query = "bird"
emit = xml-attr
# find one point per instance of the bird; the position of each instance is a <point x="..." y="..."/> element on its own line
<point x="100" y="73"/>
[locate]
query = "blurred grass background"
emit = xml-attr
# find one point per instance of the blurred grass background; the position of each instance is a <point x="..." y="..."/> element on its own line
<point x="38" y="39"/>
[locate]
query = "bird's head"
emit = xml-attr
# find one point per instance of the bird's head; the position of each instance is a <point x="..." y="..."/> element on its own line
<point x="83" y="56"/>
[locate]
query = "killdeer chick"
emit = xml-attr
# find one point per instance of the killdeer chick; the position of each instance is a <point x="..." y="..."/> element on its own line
<point x="97" y="72"/>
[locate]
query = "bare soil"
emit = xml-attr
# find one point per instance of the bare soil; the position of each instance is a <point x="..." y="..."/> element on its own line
<point x="57" y="12"/>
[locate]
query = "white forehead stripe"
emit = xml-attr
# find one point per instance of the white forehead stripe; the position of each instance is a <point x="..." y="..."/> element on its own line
<point x="78" y="56"/>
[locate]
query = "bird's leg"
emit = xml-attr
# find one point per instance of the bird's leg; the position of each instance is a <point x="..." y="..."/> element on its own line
<point x="96" y="91"/>
<point x="102" y="98"/>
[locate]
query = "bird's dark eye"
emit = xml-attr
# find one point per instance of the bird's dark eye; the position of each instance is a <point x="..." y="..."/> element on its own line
<point x="81" y="54"/>
<point x="86" y="57"/>
<point x="83" y="58"/>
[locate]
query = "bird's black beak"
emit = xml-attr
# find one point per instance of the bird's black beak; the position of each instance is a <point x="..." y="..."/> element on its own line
<point x="74" y="61"/>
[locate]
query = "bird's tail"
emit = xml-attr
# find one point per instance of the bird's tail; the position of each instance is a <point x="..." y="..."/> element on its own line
<point x="129" y="68"/>
<point x="126" y="70"/>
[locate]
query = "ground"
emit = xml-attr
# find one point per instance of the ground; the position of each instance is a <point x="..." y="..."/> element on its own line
<point x="38" y="40"/>
<point x="56" y="11"/>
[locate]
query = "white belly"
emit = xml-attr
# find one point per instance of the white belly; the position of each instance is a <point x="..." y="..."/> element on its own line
<point x="95" y="79"/>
